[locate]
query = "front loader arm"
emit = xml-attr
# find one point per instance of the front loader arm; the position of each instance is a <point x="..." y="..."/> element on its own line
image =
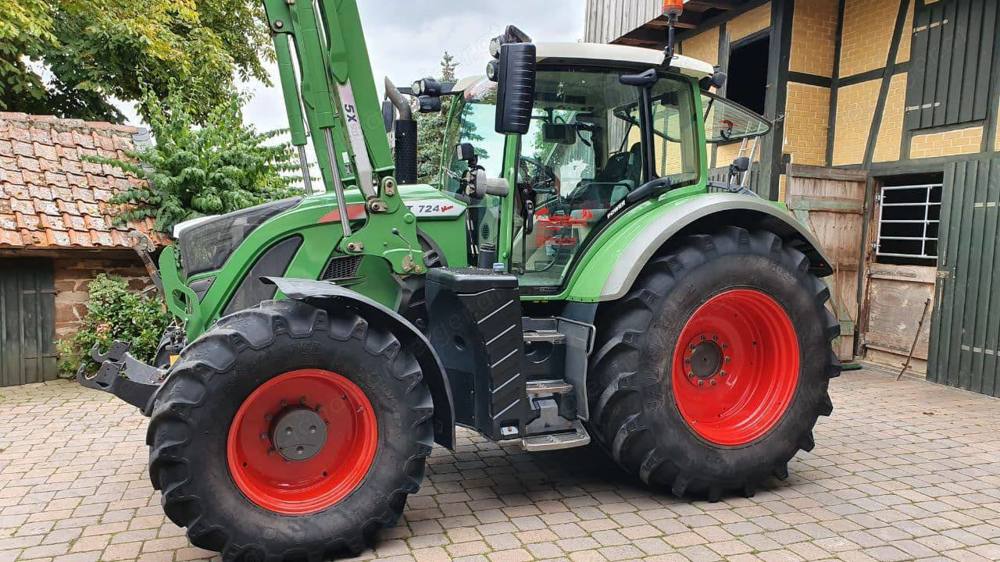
<point x="334" y="97"/>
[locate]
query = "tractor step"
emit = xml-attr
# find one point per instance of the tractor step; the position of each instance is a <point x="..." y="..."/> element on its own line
<point x="547" y="336"/>
<point x="548" y="387"/>
<point x="576" y="437"/>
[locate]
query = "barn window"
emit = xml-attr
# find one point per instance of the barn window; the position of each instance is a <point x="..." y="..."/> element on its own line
<point x="747" y="83"/>
<point x="908" y="219"/>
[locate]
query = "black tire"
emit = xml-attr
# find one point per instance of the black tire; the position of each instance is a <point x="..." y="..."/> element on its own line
<point x="215" y="374"/>
<point x="634" y="416"/>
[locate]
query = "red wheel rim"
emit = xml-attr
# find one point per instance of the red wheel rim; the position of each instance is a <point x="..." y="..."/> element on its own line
<point x="736" y="366"/>
<point x="296" y="487"/>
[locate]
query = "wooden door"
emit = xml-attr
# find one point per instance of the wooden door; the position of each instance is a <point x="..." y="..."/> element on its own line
<point x="27" y="322"/>
<point x="831" y="203"/>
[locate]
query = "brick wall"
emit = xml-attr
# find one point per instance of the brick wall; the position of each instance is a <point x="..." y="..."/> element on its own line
<point x="72" y="275"/>
<point x="890" y="132"/>
<point x="948" y="143"/>
<point x="855" y="104"/>
<point x="749" y="22"/>
<point x="868" y="27"/>
<point x="704" y="46"/>
<point x="814" y="30"/>
<point x="807" y="115"/>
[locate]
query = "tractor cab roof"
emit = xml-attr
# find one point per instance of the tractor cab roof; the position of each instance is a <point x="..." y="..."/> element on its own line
<point x="623" y="55"/>
<point x="598" y="53"/>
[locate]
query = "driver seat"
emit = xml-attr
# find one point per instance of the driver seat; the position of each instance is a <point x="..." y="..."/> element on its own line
<point x="622" y="173"/>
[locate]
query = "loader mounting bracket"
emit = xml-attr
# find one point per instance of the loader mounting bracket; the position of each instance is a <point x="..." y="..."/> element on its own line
<point x="122" y="375"/>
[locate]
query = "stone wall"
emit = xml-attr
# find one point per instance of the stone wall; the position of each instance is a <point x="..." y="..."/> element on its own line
<point x="72" y="275"/>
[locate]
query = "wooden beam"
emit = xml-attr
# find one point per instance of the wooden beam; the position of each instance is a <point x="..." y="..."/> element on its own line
<point x="888" y="71"/>
<point x="777" y="94"/>
<point x="831" y="122"/>
<point x="824" y="173"/>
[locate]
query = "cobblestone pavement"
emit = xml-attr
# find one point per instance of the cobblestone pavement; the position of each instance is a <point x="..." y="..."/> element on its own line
<point x="901" y="471"/>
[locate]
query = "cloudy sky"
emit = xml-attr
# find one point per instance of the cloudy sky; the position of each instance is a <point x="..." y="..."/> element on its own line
<point x="407" y="38"/>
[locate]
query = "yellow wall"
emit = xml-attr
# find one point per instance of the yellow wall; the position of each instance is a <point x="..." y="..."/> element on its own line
<point x="904" y="41"/>
<point x="749" y="22"/>
<point x="868" y="26"/>
<point x="855" y="104"/>
<point x="948" y="143"/>
<point x="891" y="131"/>
<point x="814" y="31"/>
<point x="807" y="115"/>
<point x="704" y="46"/>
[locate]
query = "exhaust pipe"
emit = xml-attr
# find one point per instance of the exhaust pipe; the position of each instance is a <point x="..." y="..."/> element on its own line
<point x="406" y="136"/>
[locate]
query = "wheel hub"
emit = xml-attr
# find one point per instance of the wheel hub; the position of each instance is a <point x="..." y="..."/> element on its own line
<point x="298" y="434"/>
<point x="706" y="359"/>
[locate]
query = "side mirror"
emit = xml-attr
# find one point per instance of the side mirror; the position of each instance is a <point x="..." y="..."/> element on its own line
<point x="465" y="152"/>
<point x="515" y="74"/>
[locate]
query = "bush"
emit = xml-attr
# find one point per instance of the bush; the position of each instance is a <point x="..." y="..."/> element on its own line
<point x="115" y="313"/>
<point x="210" y="169"/>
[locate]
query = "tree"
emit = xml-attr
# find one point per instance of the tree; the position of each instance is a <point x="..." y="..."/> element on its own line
<point x="70" y="57"/>
<point x="192" y="171"/>
<point x="431" y="128"/>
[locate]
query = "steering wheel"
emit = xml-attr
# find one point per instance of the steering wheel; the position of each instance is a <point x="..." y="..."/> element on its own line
<point x="543" y="180"/>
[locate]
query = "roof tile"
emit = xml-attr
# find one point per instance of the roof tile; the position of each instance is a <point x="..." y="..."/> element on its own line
<point x="46" y="151"/>
<point x="46" y="207"/>
<point x="50" y="195"/>
<point x="28" y="163"/>
<point x="10" y="238"/>
<point x="22" y="149"/>
<point x="52" y="222"/>
<point x="101" y="238"/>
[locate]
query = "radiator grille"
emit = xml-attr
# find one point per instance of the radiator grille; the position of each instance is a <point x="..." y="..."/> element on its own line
<point x="341" y="267"/>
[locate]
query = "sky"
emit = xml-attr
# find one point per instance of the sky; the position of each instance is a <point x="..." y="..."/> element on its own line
<point x="406" y="39"/>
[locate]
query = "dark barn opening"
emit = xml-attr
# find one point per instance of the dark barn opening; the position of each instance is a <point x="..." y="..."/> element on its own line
<point x="747" y="84"/>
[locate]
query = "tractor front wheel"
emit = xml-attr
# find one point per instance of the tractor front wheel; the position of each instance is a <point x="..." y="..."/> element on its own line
<point x="289" y="433"/>
<point x="711" y="373"/>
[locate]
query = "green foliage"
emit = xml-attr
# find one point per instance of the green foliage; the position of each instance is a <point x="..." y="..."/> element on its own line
<point x="193" y="171"/>
<point x="115" y="313"/>
<point x="93" y="50"/>
<point x="431" y="129"/>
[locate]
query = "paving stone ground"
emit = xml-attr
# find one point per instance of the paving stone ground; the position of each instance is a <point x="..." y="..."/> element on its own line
<point x="903" y="470"/>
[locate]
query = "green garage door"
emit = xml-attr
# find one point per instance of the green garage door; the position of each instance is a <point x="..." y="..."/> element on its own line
<point x="27" y="322"/>
<point x="965" y="334"/>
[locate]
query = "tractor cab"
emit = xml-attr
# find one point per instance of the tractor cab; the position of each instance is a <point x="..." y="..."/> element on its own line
<point x="603" y="125"/>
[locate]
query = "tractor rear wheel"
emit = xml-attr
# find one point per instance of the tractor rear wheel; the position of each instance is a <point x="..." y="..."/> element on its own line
<point x="289" y="433"/>
<point x="711" y="373"/>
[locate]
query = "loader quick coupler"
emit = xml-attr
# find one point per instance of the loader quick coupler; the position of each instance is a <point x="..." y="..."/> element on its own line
<point x="122" y="375"/>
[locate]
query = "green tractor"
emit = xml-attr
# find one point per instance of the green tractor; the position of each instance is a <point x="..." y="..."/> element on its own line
<point x="574" y="277"/>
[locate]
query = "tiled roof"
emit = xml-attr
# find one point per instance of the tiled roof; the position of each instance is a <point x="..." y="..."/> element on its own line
<point x="50" y="197"/>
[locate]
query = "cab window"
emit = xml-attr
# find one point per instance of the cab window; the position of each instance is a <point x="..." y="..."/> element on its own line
<point x="583" y="154"/>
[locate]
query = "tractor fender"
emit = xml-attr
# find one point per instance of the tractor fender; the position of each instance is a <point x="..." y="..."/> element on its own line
<point x="703" y="214"/>
<point x="329" y="297"/>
